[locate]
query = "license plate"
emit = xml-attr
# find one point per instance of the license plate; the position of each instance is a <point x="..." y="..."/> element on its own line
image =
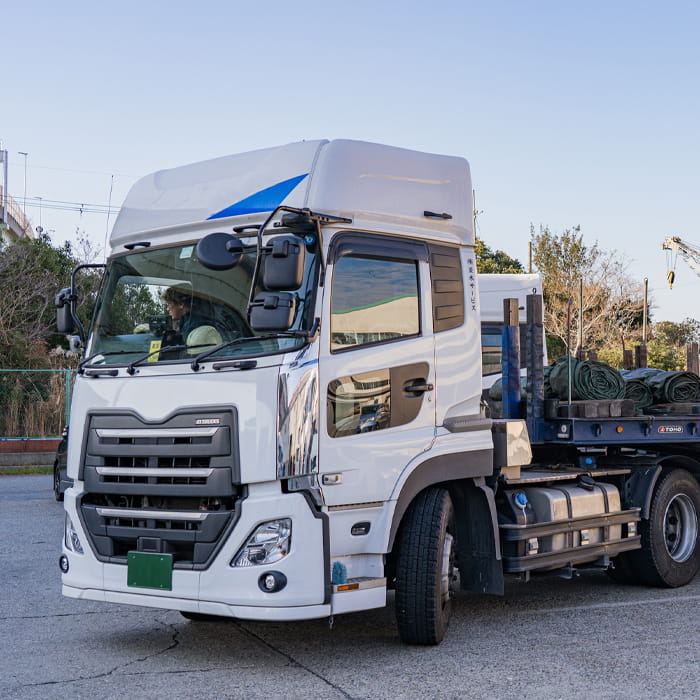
<point x="149" y="570"/>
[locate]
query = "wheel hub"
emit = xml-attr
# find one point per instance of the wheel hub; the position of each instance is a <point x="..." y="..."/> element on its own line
<point x="680" y="528"/>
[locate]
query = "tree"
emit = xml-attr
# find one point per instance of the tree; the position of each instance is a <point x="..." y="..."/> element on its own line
<point x="677" y="333"/>
<point x="666" y="348"/>
<point x="495" y="261"/>
<point x="31" y="272"/>
<point x="612" y="300"/>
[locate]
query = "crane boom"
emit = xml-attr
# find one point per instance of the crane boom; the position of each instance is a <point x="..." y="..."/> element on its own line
<point x="688" y="251"/>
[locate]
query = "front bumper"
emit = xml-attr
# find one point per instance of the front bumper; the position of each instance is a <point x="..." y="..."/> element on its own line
<point x="221" y="589"/>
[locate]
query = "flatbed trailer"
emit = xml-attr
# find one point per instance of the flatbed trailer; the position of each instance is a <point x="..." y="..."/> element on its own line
<point x="650" y="432"/>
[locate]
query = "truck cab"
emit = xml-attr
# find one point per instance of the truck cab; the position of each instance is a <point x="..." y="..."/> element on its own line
<point x="224" y="470"/>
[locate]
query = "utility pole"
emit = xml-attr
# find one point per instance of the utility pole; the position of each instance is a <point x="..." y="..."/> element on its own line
<point x="644" y="311"/>
<point x="579" y="349"/>
<point x="24" y="200"/>
<point x="40" y="226"/>
<point x="5" y="198"/>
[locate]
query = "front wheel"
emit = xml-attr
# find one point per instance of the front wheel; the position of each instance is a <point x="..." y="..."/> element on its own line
<point x="670" y="555"/>
<point x="57" y="493"/>
<point x="425" y="573"/>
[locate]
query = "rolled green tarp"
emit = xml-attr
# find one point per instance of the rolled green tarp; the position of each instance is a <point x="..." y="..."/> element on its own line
<point x="549" y="393"/>
<point x="638" y="391"/>
<point x="640" y="372"/>
<point x="496" y="389"/>
<point x="669" y="387"/>
<point x="591" y="380"/>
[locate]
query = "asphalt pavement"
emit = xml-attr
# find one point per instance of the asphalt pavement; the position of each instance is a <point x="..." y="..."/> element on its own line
<point x="550" y="638"/>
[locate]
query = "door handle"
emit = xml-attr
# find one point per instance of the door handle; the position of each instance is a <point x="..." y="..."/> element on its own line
<point x="417" y="387"/>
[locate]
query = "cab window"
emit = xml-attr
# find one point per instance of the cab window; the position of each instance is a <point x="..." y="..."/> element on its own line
<point x="374" y="299"/>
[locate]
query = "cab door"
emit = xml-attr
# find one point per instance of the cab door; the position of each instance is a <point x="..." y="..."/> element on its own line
<point x="376" y="366"/>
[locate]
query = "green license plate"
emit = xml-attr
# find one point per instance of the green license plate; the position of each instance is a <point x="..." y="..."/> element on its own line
<point x="149" y="570"/>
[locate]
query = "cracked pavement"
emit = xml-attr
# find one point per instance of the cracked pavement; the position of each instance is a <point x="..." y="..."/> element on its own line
<point x="547" y="639"/>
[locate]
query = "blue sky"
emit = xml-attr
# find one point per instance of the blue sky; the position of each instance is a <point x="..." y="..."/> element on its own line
<point x="570" y="114"/>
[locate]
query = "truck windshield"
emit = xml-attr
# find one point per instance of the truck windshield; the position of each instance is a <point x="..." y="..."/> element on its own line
<point x="164" y="298"/>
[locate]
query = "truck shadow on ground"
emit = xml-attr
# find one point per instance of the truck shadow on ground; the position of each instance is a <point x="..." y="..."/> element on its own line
<point x="490" y="640"/>
<point x="375" y="629"/>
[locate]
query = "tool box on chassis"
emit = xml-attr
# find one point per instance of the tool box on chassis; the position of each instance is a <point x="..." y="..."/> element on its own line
<point x="279" y="415"/>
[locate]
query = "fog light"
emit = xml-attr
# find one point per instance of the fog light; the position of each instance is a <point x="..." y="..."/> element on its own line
<point x="63" y="563"/>
<point x="268" y="543"/>
<point x="272" y="581"/>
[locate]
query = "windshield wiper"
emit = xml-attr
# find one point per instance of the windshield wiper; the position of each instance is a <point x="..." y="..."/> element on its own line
<point x="195" y="364"/>
<point x="131" y="369"/>
<point x="83" y="363"/>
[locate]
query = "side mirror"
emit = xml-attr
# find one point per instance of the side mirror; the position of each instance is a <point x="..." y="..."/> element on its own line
<point x="219" y="251"/>
<point x="64" y="313"/>
<point x="273" y="311"/>
<point x="284" y="259"/>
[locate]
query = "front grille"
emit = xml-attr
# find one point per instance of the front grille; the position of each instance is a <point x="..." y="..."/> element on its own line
<point x="129" y="462"/>
<point x="186" y="462"/>
<point x="171" y="487"/>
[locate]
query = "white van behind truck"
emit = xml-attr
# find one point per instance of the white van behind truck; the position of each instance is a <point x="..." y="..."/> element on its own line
<point x="278" y="415"/>
<point x="493" y="290"/>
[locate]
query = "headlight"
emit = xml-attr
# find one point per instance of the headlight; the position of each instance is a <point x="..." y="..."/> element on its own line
<point x="268" y="543"/>
<point x="71" y="537"/>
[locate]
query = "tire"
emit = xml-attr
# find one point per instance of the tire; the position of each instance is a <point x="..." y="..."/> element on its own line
<point x="57" y="483"/>
<point x="425" y="573"/>
<point x="670" y="556"/>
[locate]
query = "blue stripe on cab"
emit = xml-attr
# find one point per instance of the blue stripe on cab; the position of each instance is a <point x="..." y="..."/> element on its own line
<point x="264" y="200"/>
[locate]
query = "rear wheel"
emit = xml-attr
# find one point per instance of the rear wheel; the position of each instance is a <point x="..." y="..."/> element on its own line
<point x="670" y="555"/>
<point x="425" y="573"/>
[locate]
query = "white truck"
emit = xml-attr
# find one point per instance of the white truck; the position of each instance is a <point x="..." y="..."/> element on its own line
<point x="279" y="412"/>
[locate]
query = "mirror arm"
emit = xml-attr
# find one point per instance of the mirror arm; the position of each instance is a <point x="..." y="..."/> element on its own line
<point x="74" y="296"/>
<point x="258" y="256"/>
<point x="317" y="218"/>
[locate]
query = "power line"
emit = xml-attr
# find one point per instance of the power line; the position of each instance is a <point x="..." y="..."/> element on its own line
<point x="82" y="207"/>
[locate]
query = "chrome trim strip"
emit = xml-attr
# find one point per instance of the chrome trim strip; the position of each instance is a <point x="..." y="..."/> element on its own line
<point x="297" y="421"/>
<point x="150" y="514"/>
<point x="357" y="506"/>
<point x="155" y="432"/>
<point x="162" y="471"/>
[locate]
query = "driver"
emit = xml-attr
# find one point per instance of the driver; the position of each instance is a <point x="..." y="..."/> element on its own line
<point x="193" y="327"/>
